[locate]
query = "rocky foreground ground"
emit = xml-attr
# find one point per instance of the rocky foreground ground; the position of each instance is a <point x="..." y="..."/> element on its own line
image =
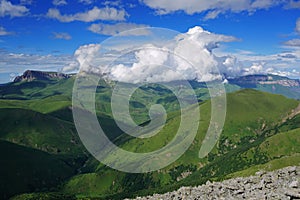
<point x="280" y="184"/>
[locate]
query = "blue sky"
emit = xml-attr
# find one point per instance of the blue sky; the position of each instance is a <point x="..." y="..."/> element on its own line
<point x="44" y="35"/>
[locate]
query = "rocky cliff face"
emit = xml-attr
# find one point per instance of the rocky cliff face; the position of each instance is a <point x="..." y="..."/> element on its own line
<point x="31" y="75"/>
<point x="280" y="184"/>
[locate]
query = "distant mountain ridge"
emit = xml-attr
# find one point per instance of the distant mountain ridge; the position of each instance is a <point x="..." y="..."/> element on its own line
<point x="268" y="83"/>
<point x="253" y="80"/>
<point x="30" y="75"/>
<point x="248" y="81"/>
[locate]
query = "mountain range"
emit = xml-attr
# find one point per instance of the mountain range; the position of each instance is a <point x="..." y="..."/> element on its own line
<point x="43" y="155"/>
<point x="268" y="83"/>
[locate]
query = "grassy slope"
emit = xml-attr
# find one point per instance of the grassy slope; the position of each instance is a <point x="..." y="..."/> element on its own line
<point x="282" y="150"/>
<point x="288" y="147"/>
<point x="247" y="111"/>
<point x="49" y="134"/>
<point x="40" y="131"/>
<point x="273" y="149"/>
<point x="37" y="89"/>
<point x="24" y="169"/>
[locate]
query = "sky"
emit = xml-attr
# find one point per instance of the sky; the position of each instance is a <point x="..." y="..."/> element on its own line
<point x="238" y="37"/>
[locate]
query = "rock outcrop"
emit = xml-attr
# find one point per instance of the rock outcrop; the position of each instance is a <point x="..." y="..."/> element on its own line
<point x="280" y="184"/>
<point x="31" y="75"/>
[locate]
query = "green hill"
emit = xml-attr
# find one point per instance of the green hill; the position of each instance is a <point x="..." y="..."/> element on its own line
<point x="39" y="131"/>
<point x="251" y="119"/>
<point x="28" y="170"/>
<point x="37" y="89"/>
<point x="280" y="150"/>
<point x="52" y="133"/>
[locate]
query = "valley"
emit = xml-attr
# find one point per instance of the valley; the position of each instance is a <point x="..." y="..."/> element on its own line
<point x="43" y="153"/>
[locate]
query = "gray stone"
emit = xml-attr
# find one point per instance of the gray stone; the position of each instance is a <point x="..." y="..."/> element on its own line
<point x="294" y="184"/>
<point x="280" y="184"/>
<point x="293" y="193"/>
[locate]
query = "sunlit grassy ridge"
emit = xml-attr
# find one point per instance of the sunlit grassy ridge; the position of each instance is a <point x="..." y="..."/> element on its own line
<point x="40" y="131"/>
<point x="37" y="89"/>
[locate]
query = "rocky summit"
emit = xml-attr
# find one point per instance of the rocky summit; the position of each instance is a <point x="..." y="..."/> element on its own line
<point x="31" y="75"/>
<point x="280" y="184"/>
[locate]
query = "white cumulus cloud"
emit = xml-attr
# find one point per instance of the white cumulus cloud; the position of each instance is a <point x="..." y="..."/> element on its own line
<point x="64" y="36"/>
<point x="59" y="2"/>
<point x="18" y="62"/>
<point x="193" y="55"/>
<point x="95" y="14"/>
<point x="292" y="43"/>
<point x="83" y="57"/>
<point x="256" y="68"/>
<point x="214" y="8"/>
<point x="292" y="4"/>
<point x="298" y="25"/>
<point x="9" y="9"/>
<point x="196" y="47"/>
<point x="86" y="1"/>
<point x="187" y="56"/>
<point x="3" y="31"/>
<point x="148" y="67"/>
<point x="26" y="2"/>
<point x="113" y="29"/>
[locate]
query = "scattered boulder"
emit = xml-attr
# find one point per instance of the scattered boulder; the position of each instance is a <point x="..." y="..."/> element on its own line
<point x="280" y="184"/>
